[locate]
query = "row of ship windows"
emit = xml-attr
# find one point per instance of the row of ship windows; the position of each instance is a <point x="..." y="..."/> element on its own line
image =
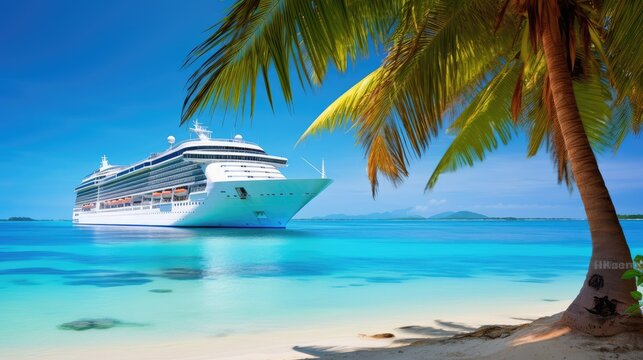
<point x="152" y="171"/>
<point x="247" y="166"/>
<point x="149" y="187"/>
<point x="280" y="194"/>
<point x="128" y="179"/>
<point x="252" y="171"/>
<point x="253" y="177"/>
<point x="181" y="151"/>
<point x="175" y="154"/>
<point x="176" y="164"/>
<point x="154" y="174"/>
<point x="210" y="147"/>
<point x="85" y="199"/>
<point x="154" y="183"/>
<point x="189" y="203"/>
<point x="155" y="206"/>
<point x="93" y="181"/>
<point x="235" y="157"/>
<point x="163" y="170"/>
<point x="153" y="187"/>
<point x="146" y="183"/>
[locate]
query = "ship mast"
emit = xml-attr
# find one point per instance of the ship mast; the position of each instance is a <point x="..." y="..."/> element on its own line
<point x="321" y="172"/>
<point x="201" y="131"/>
<point x="104" y="164"/>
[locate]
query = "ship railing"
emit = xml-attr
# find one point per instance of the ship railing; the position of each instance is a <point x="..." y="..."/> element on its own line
<point x="233" y="141"/>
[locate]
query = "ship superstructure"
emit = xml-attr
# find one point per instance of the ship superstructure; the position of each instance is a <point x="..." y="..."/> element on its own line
<point x="199" y="182"/>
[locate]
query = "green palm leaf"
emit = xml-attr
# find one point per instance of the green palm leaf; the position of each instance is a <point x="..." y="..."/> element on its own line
<point x="258" y="36"/>
<point x="483" y="125"/>
<point x="393" y="100"/>
<point x="623" y="21"/>
<point x="442" y="59"/>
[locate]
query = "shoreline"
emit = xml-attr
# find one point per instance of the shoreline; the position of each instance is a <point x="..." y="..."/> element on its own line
<point x="299" y="342"/>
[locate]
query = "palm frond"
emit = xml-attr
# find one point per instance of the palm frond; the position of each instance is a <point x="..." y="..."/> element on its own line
<point x="436" y="60"/>
<point x="623" y="25"/>
<point x="484" y="124"/>
<point x="346" y="108"/>
<point x="260" y="36"/>
<point x="478" y="60"/>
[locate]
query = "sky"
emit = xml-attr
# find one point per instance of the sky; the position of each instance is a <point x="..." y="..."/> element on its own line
<point x="79" y="79"/>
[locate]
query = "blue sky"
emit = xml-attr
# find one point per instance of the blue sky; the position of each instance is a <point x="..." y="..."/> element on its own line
<point x="79" y="79"/>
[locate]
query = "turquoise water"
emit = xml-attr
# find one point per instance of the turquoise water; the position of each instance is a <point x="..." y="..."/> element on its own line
<point x="234" y="281"/>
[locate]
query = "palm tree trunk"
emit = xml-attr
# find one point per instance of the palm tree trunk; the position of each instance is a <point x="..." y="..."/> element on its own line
<point x="599" y="307"/>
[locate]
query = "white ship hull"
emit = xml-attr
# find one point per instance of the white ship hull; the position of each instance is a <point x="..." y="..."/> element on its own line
<point x="268" y="204"/>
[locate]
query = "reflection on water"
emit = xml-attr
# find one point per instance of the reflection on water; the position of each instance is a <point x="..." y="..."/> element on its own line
<point x="373" y="252"/>
<point x="115" y="234"/>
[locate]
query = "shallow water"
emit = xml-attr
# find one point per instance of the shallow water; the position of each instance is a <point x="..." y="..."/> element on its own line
<point x="219" y="282"/>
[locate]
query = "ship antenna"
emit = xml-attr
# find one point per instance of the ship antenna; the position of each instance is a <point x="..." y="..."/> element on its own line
<point x="321" y="172"/>
<point x="201" y="131"/>
<point x="104" y="164"/>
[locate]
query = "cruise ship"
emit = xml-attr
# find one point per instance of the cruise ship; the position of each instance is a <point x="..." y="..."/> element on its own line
<point x="201" y="182"/>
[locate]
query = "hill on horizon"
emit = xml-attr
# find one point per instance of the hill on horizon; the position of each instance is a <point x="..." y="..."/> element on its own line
<point x="408" y="213"/>
<point x="459" y="215"/>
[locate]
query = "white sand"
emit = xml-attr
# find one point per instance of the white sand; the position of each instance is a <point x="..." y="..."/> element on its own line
<point x="428" y="339"/>
<point x="541" y="339"/>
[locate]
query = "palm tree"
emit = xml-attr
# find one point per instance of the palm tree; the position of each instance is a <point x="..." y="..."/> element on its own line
<point x="569" y="73"/>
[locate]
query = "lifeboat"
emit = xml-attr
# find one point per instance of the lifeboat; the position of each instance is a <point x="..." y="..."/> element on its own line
<point x="167" y="193"/>
<point x="156" y="194"/>
<point x="180" y="192"/>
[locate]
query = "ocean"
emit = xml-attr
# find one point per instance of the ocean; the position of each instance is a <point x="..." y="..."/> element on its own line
<point x="168" y="283"/>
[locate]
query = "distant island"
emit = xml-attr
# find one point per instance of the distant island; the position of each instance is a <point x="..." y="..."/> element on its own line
<point x="27" y="218"/>
<point x="631" y="217"/>
<point x="405" y="214"/>
<point x="20" y="218"/>
<point x="415" y="214"/>
<point x="459" y="215"/>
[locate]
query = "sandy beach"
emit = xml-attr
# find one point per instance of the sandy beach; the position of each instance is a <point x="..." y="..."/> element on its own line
<point x="544" y="338"/>
<point x="412" y="340"/>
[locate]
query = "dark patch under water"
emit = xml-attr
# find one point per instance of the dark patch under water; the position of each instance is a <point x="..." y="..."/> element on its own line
<point x="95" y="324"/>
<point x="160" y="291"/>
